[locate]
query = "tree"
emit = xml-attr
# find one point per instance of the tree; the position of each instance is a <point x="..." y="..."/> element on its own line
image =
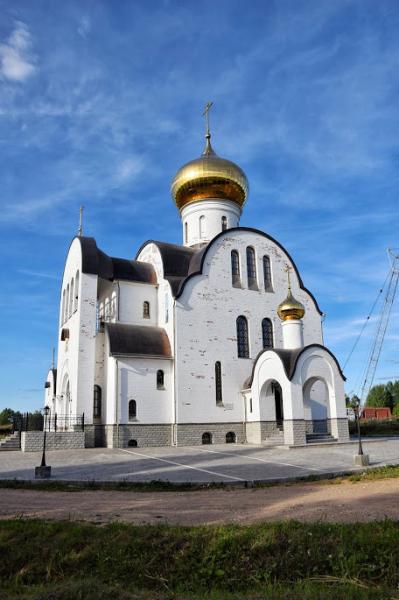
<point x="376" y="397"/>
<point x="7" y="414"/>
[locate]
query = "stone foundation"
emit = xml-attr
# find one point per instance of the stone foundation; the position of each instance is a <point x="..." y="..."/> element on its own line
<point x="294" y="432"/>
<point x="340" y="429"/>
<point x="191" y="434"/>
<point x="140" y="436"/>
<point x="263" y="431"/>
<point x="32" y="441"/>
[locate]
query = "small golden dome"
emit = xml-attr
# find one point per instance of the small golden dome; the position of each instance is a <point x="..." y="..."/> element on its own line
<point x="209" y="176"/>
<point x="290" y="309"/>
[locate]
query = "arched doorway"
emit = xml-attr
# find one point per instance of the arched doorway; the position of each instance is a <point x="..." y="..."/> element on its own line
<point x="316" y="405"/>
<point x="271" y="404"/>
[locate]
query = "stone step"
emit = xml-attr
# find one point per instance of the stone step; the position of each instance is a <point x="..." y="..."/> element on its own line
<point x="11" y="442"/>
<point x="319" y="438"/>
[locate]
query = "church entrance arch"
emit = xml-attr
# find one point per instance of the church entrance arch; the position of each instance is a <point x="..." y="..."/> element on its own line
<point x="271" y="403"/>
<point x="316" y="405"/>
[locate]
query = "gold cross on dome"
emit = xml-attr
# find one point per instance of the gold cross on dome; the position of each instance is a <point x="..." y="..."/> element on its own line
<point x="206" y="115"/>
<point x="288" y="270"/>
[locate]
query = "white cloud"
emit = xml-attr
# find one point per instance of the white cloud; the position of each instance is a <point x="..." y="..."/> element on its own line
<point x="129" y="168"/>
<point x="84" y="26"/>
<point x="16" y="59"/>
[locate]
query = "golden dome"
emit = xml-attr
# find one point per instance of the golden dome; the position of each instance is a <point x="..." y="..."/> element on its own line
<point x="209" y="176"/>
<point x="290" y="309"/>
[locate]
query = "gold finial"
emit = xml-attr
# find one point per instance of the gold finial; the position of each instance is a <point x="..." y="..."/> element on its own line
<point x="208" y="148"/>
<point x="80" y="229"/>
<point x="290" y="309"/>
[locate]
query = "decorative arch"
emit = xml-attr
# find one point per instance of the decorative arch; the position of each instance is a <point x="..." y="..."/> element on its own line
<point x="316" y="401"/>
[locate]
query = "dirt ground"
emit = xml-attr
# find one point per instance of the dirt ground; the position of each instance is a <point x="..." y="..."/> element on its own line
<point x="334" y="502"/>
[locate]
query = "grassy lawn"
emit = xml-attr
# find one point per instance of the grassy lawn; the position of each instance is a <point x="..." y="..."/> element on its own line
<point x="66" y="560"/>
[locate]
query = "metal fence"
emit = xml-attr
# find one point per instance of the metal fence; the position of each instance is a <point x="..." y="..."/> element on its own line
<point x="53" y="422"/>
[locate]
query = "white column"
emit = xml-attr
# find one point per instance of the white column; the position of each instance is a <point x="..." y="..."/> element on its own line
<point x="205" y="219"/>
<point x="292" y="334"/>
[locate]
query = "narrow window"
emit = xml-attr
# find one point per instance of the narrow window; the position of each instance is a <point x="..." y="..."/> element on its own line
<point x="218" y="382"/>
<point x="106" y="310"/>
<point x="146" y="310"/>
<point x="63" y="308"/>
<point x="267" y="274"/>
<point x="267" y="333"/>
<point x="166" y="308"/>
<point x="242" y="337"/>
<point x="71" y="299"/>
<point x="160" y="380"/>
<point x="251" y="268"/>
<point x="224" y="223"/>
<point x="207" y="438"/>
<point x="132" y="410"/>
<point x="235" y="269"/>
<point x="113" y="312"/>
<point x="66" y="302"/>
<point x="97" y="402"/>
<point x="186" y="232"/>
<point x="202" y="227"/>
<point x="76" y="291"/>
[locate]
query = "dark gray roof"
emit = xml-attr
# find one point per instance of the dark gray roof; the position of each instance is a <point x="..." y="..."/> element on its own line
<point x="96" y="262"/>
<point x="290" y="358"/>
<point x="138" y="340"/>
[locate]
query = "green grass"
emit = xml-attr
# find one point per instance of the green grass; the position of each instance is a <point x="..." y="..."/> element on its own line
<point x="67" y="560"/>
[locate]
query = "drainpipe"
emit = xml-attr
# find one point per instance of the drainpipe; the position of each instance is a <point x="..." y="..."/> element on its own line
<point x="174" y="426"/>
<point x="117" y="401"/>
<point x="245" y="419"/>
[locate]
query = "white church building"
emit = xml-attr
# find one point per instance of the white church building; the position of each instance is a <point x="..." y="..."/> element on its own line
<point x="213" y="341"/>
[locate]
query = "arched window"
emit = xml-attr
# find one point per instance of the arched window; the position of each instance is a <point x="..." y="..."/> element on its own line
<point x="207" y="438"/>
<point x="218" y="382"/>
<point x="242" y="337"/>
<point x="224" y="223"/>
<point x="146" y="310"/>
<point x="66" y="302"/>
<point x="160" y="380"/>
<point x="71" y="299"/>
<point x="132" y="443"/>
<point x="107" y="310"/>
<point x="132" y="410"/>
<point x="63" y="308"/>
<point x="76" y="291"/>
<point x="186" y="232"/>
<point x="267" y="274"/>
<point x="251" y="268"/>
<point x="267" y="333"/>
<point x="231" y="437"/>
<point x="113" y="311"/>
<point x="202" y="227"/>
<point x="235" y="269"/>
<point x="97" y="402"/>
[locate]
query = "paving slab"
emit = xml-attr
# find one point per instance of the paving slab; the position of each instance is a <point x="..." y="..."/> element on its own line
<point x="233" y="464"/>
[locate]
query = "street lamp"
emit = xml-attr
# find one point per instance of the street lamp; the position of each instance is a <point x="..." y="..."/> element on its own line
<point x="44" y="471"/>
<point x="361" y="459"/>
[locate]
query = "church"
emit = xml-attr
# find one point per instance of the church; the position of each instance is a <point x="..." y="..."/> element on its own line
<point x="212" y="341"/>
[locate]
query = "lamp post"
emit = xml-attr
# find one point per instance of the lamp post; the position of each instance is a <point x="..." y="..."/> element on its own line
<point x="361" y="459"/>
<point x="44" y="471"/>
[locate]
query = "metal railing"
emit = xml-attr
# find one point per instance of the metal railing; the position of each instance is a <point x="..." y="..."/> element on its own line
<point x="54" y="422"/>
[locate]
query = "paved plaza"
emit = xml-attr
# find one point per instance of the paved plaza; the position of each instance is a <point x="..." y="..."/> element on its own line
<point x="201" y="464"/>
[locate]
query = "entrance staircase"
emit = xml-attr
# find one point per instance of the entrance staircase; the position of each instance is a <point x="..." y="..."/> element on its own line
<point x="11" y="442"/>
<point x="319" y="438"/>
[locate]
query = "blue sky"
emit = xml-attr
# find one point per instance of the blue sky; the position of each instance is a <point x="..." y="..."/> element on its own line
<point x="101" y="102"/>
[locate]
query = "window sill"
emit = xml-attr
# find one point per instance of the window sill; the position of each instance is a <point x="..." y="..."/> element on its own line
<point x="237" y="284"/>
<point x="161" y="389"/>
